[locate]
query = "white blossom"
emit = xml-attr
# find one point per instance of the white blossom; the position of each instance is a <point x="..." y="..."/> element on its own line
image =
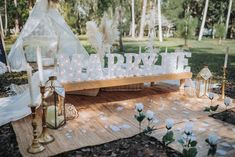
<point x="169" y="123"/>
<point x="213" y="139"/>
<point x="149" y="115"/>
<point x="227" y="101"/>
<point x="192" y="138"/>
<point x="188" y="129"/>
<point x="211" y="95"/>
<point x="139" y="107"/>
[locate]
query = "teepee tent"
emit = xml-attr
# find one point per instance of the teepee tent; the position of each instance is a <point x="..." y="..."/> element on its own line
<point x="47" y="29"/>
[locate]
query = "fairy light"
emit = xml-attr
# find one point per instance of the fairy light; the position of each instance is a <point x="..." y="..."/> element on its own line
<point x="74" y="65"/>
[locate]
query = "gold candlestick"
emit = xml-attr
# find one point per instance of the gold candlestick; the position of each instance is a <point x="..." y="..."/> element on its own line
<point x="35" y="147"/>
<point x="223" y="85"/>
<point x="45" y="137"/>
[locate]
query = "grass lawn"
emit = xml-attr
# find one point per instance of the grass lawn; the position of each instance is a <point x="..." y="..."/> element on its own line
<point x="207" y="51"/>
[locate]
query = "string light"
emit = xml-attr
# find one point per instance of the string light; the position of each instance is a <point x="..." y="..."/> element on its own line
<point x="75" y="65"/>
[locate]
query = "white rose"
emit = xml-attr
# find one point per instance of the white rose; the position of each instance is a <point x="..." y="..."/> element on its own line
<point x="188" y="129"/>
<point x="211" y="95"/>
<point x="149" y="115"/>
<point x="213" y="139"/>
<point x="193" y="138"/>
<point x="169" y="123"/>
<point x="227" y="101"/>
<point x="139" y="107"/>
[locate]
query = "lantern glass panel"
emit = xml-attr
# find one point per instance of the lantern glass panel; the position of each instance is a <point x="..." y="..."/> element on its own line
<point x="203" y="84"/>
<point x="56" y="116"/>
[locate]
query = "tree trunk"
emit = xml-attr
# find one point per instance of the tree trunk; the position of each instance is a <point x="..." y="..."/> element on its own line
<point x="120" y="29"/>
<point x="31" y="4"/>
<point x="228" y="17"/>
<point x="186" y="35"/>
<point x="1" y="27"/>
<point x="6" y="18"/>
<point x="17" y="27"/>
<point x="213" y="31"/>
<point x="142" y="22"/>
<point x="159" y="21"/>
<point x="220" y="40"/>
<point x="203" y="21"/>
<point x="133" y="18"/>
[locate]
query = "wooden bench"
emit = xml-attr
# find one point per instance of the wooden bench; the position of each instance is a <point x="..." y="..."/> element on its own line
<point x="97" y="84"/>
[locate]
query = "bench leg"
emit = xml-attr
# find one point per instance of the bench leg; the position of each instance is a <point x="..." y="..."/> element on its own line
<point x="182" y="83"/>
<point x="152" y="84"/>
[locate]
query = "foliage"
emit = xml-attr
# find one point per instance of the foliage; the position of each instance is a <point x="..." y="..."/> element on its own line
<point x="220" y="30"/>
<point x="186" y="28"/>
<point x="140" y="116"/>
<point x="188" y="141"/>
<point x="12" y="12"/>
<point x="149" y="115"/>
<point x="212" y="149"/>
<point x="212" y="140"/>
<point x="78" y="12"/>
<point x="211" y="108"/>
<point x="168" y="138"/>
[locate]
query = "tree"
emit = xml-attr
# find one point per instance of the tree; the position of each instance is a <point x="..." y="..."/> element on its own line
<point x="31" y="3"/>
<point x="203" y="21"/>
<point x="17" y="26"/>
<point x="119" y="15"/>
<point x="133" y="18"/>
<point x="186" y="28"/>
<point x="228" y="17"/>
<point x="1" y="24"/>
<point x="159" y="21"/>
<point x="142" y="22"/>
<point x="220" y="31"/>
<point x="6" y="20"/>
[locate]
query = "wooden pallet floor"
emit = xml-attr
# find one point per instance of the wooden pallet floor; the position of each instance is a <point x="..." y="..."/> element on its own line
<point x="97" y="114"/>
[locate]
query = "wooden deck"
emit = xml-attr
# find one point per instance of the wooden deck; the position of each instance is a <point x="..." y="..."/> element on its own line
<point x="97" y="114"/>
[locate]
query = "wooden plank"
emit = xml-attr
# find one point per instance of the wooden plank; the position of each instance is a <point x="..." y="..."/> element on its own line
<point x="96" y="114"/>
<point x="75" y="86"/>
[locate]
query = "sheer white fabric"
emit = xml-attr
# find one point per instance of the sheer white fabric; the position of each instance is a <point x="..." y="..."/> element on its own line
<point x="16" y="107"/>
<point x="3" y="68"/>
<point x="46" y="28"/>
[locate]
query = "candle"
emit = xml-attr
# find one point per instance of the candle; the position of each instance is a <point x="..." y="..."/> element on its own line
<point x="39" y="62"/>
<point x="225" y="60"/>
<point x="29" y="73"/>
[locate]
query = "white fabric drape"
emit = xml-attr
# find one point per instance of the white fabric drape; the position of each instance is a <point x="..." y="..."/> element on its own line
<point x="46" y="28"/>
<point x="16" y="107"/>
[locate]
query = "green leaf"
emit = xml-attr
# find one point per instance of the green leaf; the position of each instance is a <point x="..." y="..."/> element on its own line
<point x="149" y="130"/>
<point x="185" y="153"/>
<point x="181" y="141"/>
<point x="207" y="109"/>
<point x="214" y="108"/>
<point x="212" y="150"/>
<point x="193" y="143"/>
<point x="192" y="152"/>
<point x="140" y="117"/>
<point x="207" y="141"/>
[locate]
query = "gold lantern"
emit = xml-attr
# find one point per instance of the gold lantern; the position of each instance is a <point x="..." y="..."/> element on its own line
<point x="203" y="84"/>
<point x="55" y="116"/>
